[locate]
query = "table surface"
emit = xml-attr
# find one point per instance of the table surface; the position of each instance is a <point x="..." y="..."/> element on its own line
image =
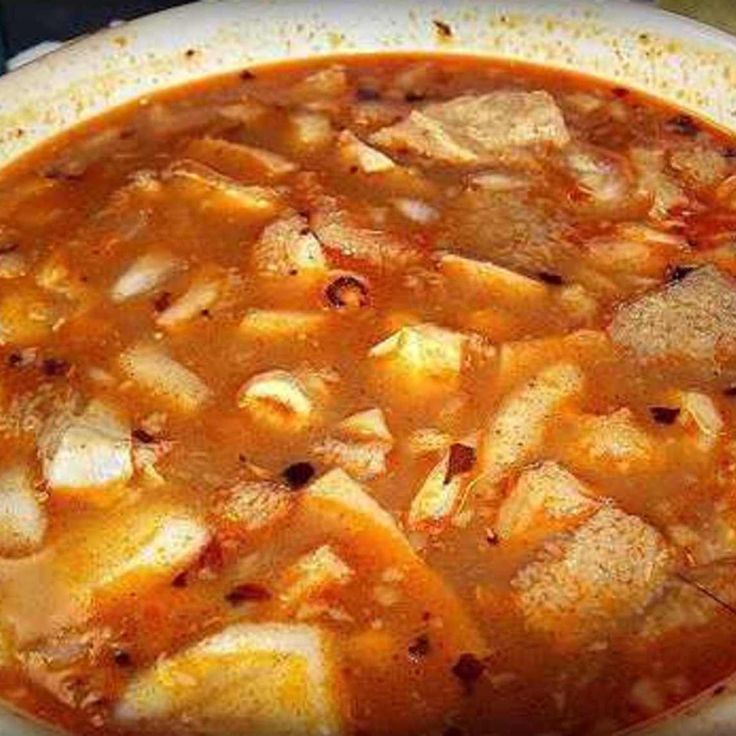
<point x="25" y="23"/>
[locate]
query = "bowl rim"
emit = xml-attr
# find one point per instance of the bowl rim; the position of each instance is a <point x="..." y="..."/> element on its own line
<point x="87" y="77"/>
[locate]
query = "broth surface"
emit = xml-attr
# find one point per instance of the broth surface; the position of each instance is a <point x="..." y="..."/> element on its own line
<point x="373" y="396"/>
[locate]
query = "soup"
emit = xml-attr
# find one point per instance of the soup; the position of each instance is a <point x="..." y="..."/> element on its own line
<point x="373" y="395"/>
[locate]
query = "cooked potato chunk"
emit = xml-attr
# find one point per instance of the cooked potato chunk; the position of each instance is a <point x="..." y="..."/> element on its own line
<point x="340" y="497"/>
<point x="423" y="351"/>
<point x="312" y="574"/>
<point x="22" y="518"/>
<point x="269" y="324"/>
<point x="144" y="275"/>
<point x="357" y="153"/>
<point x="164" y="378"/>
<point x="441" y="493"/>
<point x="212" y="191"/>
<point x="206" y="288"/>
<point x="263" y="679"/>
<point x="277" y="397"/>
<point x="88" y="450"/>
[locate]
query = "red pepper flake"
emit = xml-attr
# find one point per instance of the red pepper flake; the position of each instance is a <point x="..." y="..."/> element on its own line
<point x="683" y="125"/>
<point x="347" y="292"/>
<point x="678" y="272"/>
<point x="443" y="29"/>
<point x="491" y="537"/>
<point x="181" y="580"/>
<point x="453" y="731"/>
<point x="468" y="669"/>
<point x="162" y="302"/>
<point x="367" y="94"/>
<point x="420" y="647"/>
<point x="730" y="391"/>
<point x="8" y="248"/>
<point x="142" y="436"/>
<point x="247" y="75"/>
<point x="211" y="557"/>
<point x="414" y="97"/>
<point x="298" y="475"/>
<point x="553" y="279"/>
<point x="54" y="367"/>
<point x="247" y="593"/>
<point x="15" y="360"/>
<point x="621" y="92"/>
<point x="664" y="414"/>
<point x="122" y="658"/>
<point x="462" y="459"/>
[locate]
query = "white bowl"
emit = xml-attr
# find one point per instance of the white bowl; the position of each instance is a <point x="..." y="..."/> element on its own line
<point x="638" y="46"/>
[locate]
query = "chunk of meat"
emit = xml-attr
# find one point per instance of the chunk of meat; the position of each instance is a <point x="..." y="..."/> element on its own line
<point x="519" y="230"/>
<point x="699" y="166"/>
<point x="146" y="273"/>
<point x="22" y="517"/>
<point x="278" y="398"/>
<point x="87" y="450"/>
<point x="258" y="678"/>
<point x="545" y="499"/>
<point x="155" y="371"/>
<point x="688" y="327"/>
<point x="691" y="600"/>
<point x="583" y="585"/>
<point x="611" y="443"/>
<point x="516" y="431"/>
<point x="287" y="247"/>
<point x="470" y="129"/>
